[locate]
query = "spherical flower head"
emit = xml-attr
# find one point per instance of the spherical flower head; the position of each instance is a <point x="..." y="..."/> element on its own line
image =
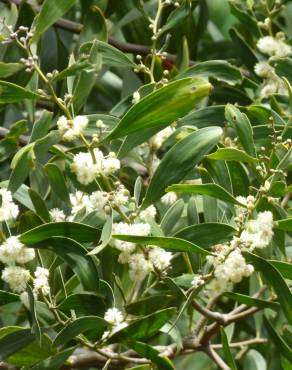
<point x="80" y="123"/>
<point x="121" y="196"/>
<point x="98" y="200"/>
<point x="8" y="209"/>
<point x="72" y="129"/>
<point x="57" y="215"/>
<point x="41" y="281"/>
<point x="79" y="201"/>
<point x="13" y="251"/>
<point x="263" y="69"/>
<point x="84" y="168"/>
<point x="114" y="316"/>
<point x="160" y="258"/>
<point x="169" y="198"/>
<point x="63" y="124"/>
<point x="197" y="281"/>
<point x="111" y="164"/>
<point x="148" y="213"/>
<point x="139" y="267"/>
<point x="141" y="229"/>
<point x="16" y="277"/>
<point x="268" y="45"/>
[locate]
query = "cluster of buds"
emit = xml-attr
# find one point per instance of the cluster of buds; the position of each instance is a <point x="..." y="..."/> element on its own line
<point x="22" y="35"/>
<point x="29" y="63"/>
<point x="171" y="2"/>
<point x="52" y="75"/>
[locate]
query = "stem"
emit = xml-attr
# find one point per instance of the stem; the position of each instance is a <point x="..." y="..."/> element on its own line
<point x="155" y="39"/>
<point x="216" y="358"/>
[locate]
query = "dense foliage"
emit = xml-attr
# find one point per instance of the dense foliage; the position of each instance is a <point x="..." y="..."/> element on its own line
<point x="145" y="194"/>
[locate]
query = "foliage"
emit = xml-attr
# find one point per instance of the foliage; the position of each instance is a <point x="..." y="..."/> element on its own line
<point x="145" y="184"/>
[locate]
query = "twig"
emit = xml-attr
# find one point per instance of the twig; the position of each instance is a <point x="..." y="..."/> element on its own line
<point x="216" y="358"/>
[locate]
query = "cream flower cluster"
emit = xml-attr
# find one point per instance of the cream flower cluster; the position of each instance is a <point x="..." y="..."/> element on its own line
<point x="71" y="129"/>
<point x="141" y="263"/>
<point x="273" y="47"/>
<point x="41" y="281"/>
<point x="8" y="209"/>
<point x="258" y="233"/>
<point x="116" y="319"/>
<point x="13" y="251"/>
<point x="157" y="140"/>
<point x="87" y="169"/>
<point x="141" y="229"/>
<point x="230" y="268"/>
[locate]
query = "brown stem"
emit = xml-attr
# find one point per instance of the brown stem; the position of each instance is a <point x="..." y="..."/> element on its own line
<point x="216" y="358"/>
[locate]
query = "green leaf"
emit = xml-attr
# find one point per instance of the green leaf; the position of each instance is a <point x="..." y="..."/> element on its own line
<point x="11" y="93"/>
<point x="112" y="56"/>
<point x="283" y="347"/>
<point x="153" y="110"/>
<point x="41" y="126"/>
<point x="243" y="128"/>
<point x="57" y="182"/>
<point x="105" y="236"/>
<point x="226" y="350"/>
<point x="176" y="17"/>
<point x="39" y="205"/>
<point x="219" y="69"/>
<point x="275" y="279"/>
<point x="172" y="216"/>
<point x="212" y="190"/>
<point x="231" y="154"/>
<point x="21" y="169"/>
<point x="285" y="268"/>
<point x="44" y="144"/>
<point x="145" y="350"/>
<point x="285" y="225"/>
<point x="75" y="255"/>
<point x="7" y="297"/>
<point x="35" y="327"/>
<point x="8" y="69"/>
<point x="253" y="302"/>
<point x="180" y="159"/>
<point x="170" y="243"/>
<point x="15" y="341"/>
<point x="79" y="326"/>
<point x="96" y="27"/>
<point x="86" y="303"/>
<point x="146" y="306"/>
<point x="50" y="12"/>
<point x="54" y="362"/>
<point x="79" y="232"/>
<point x="143" y="328"/>
<point x="207" y="234"/>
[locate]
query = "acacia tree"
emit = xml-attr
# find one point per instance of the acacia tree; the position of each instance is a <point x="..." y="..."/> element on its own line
<point x="144" y="203"/>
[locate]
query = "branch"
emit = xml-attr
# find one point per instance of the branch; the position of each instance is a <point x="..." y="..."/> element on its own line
<point x="243" y="343"/>
<point x="216" y="358"/>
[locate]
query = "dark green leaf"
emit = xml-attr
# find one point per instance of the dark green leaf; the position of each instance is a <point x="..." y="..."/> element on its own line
<point x="11" y="93"/>
<point x="15" y="341"/>
<point x="39" y="205"/>
<point x="172" y="216"/>
<point x="207" y="234"/>
<point x="21" y="169"/>
<point x="79" y="326"/>
<point x="57" y="182"/>
<point x="212" y="190"/>
<point x="231" y="154"/>
<point x="8" y="69"/>
<point x="148" y="305"/>
<point x="180" y="159"/>
<point x="153" y="110"/>
<point x="283" y="347"/>
<point x="171" y="243"/>
<point x="219" y="69"/>
<point x="226" y="350"/>
<point x="54" y="362"/>
<point x="285" y="268"/>
<point x="143" y="328"/>
<point x="253" y="302"/>
<point x="50" y="12"/>
<point x="243" y="128"/>
<point x="79" y="232"/>
<point x="275" y="279"/>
